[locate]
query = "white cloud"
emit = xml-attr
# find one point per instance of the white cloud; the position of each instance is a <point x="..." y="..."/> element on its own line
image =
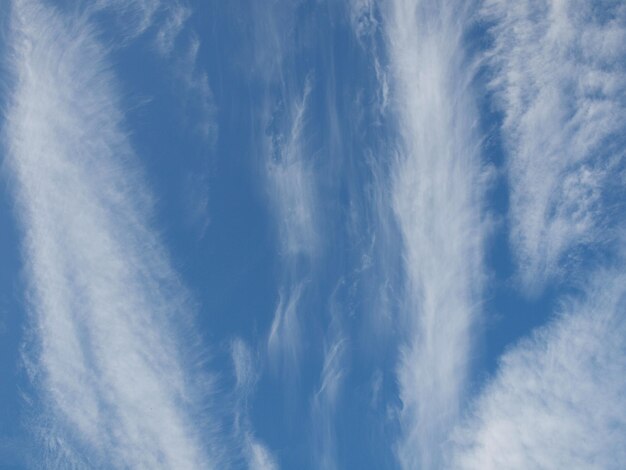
<point x="436" y="198"/>
<point x="284" y="339"/>
<point x="287" y="167"/>
<point x="134" y="16"/>
<point x="559" y="76"/>
<point x="256" y="455"/>
<point x="198" y="103"/>
<point x="167" y="23"/>
<point x="197" y="110"/>
<point x="196" y="198"/>
<point x="292" y="182"/>
<point x="171" y="28"/>
<point x="365" y="23"/>
<point x="176" y="41"/>
<point x="272" y="31"/>
<point x="325" y="403"/>
<point x="246" y="373"/>
<point x="559" y="398"/>
<point x="363" y="18"/>
<point x="291" y="187"/>
<point x="199" y="96"/>
<point x="111" y="358"/>
<point x="260" y="458"/>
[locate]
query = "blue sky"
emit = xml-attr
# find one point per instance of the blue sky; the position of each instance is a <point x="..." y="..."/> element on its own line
<point x="312" y="234"/>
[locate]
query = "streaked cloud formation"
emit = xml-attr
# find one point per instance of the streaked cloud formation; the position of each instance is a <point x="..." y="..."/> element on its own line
<point x="256" y="455"/>
<point x="169" y="32"/>
<point x="292" y="192"/>
<point x="134" y="16"/>
<point x="292" y="180"/>
<point x="325" y="399"/>
<point x="109" y="315"/>
<point x="436" y="198"/>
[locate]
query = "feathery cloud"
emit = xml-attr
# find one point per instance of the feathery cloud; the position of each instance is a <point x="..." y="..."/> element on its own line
<point x="110" y="356"/>
<point x="292" y="183"/>
<point x="170" y="30"/>
<point x="325" y="402"/>
<point x="291" y="187"/>
<point x="134" y="17"/>
<point x="284" y="339"/>
<point x="256" y="455"/>
<point x="436" y="199"/>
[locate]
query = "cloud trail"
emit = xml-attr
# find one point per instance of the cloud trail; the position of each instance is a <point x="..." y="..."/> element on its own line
<point x="291" y="177"/>
<point x="287" y="170"/>
<point x="118" y="386"/>
<point x="560" y="79"/>
<point x="325" y="403"/>
<point x="167" y="23"/>
<point x="198" y="103"/>
<point x="559" y="398"/>
<point x="174" y="23"/>
<point x="178" y="43"/>
<point x="134" y="17"/>
<point x="256" y="455"/>
<point x="291" y="184"/>
<point x="436" y="198"/>
<point x="284" y="339"/>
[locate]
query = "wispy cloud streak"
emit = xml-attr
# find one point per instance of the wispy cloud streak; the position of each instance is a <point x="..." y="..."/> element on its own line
<point x="326" y="399"/>
<point x="560" y="79"/>
<point x="292" y="192"/>
<point x="436" y="198"/>
<point x="199" y="108"/>
<point x="325" y="403"/>
<point x="107" y="308"/>
<point x="291" y="178"/>
<point x="285" y="336"/>
<point x="134" y="16"/>
<point x="169" y="32"/>
<point x="167" y="24"/>
<point x="256" y="455"/>
<point x="559" y="398"/>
